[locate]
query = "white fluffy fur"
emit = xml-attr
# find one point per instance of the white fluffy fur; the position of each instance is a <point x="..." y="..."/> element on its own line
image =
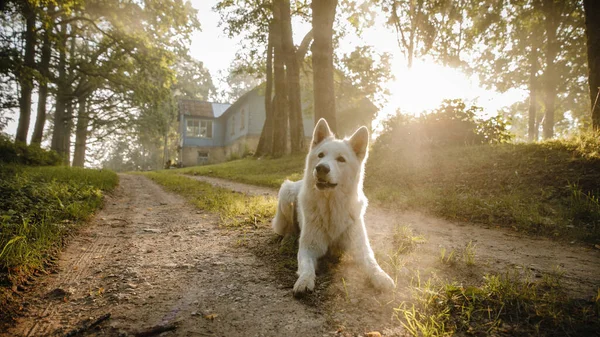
<point x="330" y="216"/>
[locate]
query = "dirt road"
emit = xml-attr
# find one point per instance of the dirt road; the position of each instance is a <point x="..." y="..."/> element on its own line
<point x="150" y="259"/>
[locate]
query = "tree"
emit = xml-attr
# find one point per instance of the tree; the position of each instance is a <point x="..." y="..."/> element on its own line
<point x="592" y="24"/>
<point x="26" y="71"/>
<point x="519" y="49"/>
<point x="265" y="142"/>
<point x="411" y="20"/>
<point x="323" y="14"/>
<point x="44" y="70"/>
<point x="280" y="101"/>
<point x="292" y="72"/>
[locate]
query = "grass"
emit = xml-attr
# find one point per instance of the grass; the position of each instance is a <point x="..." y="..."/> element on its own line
<point x="550" y="188"/>
<point x="40" y="207"/>
<point x="507" y="303"/>
<point x="504" y="304"/>
<point x="263" y="172"/>
<point x="234" y="209"/>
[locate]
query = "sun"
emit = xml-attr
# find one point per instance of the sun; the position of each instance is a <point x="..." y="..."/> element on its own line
<point x="427" y="84"/>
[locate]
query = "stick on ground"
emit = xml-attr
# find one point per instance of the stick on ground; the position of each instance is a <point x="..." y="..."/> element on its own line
<point x="156" y="330"/>
<point x="86" y="326"/>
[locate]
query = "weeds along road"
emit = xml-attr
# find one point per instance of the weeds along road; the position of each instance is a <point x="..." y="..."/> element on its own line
<point x="150" y="259"/>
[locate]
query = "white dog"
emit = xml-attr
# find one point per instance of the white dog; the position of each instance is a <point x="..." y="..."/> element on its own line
<point x="328" y="206"/>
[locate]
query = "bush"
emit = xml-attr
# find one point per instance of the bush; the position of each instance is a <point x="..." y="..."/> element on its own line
<point x="451" y="124"/>
<point x="21" y="153"/>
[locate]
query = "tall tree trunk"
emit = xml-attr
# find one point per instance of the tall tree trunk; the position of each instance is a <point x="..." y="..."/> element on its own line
<point x="69" y="130"/>
<point x="592" y="31"/>
<point x="280" y="114"/>
<point x="265" y="142"/>
<point x="81" y="132"/>
<point x="533" y="64"/>
<point x="323" y="14"/>
<point x="62" y="97"/>
<point x="293" y="79"/>
<point x="550" y="74"/>
<point x="44" y="69"/>
<point x="26" y="74"/>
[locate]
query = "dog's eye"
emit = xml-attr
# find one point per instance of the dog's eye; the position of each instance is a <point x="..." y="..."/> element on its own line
<point x="321" y="155"/>
<point x="341" y="159"/>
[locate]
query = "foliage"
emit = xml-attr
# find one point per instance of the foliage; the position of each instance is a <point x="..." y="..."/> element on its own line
<point x="451" y="124"/>
<point x="40" y="207"/>
<point x="21" y="153"/>
<point x="512" y="32"/>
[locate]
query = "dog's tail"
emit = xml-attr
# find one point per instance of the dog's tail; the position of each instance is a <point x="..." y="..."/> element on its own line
<point x="286" y="220"/>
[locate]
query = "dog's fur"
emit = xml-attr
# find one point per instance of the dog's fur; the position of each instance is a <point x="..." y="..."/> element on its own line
<point x="328" y="206"/>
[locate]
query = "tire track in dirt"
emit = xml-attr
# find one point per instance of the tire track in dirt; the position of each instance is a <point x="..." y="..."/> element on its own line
<point x="150" y="258"/>
<point x="496" y="249"/>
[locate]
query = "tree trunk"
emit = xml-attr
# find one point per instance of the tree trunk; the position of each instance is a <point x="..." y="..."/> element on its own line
<point x="280" y="114"/>
<point x="44" y="69"/>
<point x="81" y="133"/>
<point x="265" y="142"/>
<point x="26" y="74"/>
<point x="293" y="79"/>
<point x="550" y="74"/>
<point x="592" y="30"/>
<point x="323" y="14"/>
<point x="62" y="88"/>
<point x="69" y="129"/>
<point x="533" y="63"/>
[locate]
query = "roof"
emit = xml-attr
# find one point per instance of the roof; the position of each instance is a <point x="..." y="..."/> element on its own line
<point x="242" y="98"/>
<point x="198" y="108"/>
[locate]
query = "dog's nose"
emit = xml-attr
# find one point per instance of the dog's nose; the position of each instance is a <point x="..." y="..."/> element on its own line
<point x="322" y="169"/>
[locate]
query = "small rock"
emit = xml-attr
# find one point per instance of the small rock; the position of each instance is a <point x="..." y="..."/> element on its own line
<point x="152" y="230"/>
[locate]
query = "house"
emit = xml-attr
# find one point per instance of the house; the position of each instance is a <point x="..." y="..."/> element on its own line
<point x="215" y="132"/>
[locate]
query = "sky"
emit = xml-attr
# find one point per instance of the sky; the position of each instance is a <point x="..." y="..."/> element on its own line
<point x="412" y="91"/>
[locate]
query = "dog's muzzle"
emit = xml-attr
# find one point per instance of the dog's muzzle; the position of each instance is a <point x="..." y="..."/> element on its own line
<point x="321" y="172"/>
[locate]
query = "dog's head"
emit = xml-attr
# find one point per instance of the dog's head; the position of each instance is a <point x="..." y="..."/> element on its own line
<point x="335" y="162"/>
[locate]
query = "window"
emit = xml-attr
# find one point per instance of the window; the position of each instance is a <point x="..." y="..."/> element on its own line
<point x="232" y="126"/>
<point x="202" y="158"/>
<point x="199" y="128"/>
<point x="243" y="120"/>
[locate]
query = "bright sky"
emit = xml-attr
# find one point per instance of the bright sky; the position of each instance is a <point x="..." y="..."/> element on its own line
<point x="413" y="91"/>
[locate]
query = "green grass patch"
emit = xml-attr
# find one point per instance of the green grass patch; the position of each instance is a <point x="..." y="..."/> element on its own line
<point x="549" y="188"/>
<point x="504" y="304"/>
<point x="40" y="207"/>
<point x="263" y="172"/>
<point x="234" y="209"/>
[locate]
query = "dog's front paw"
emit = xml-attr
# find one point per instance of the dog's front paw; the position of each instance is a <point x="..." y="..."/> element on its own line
<point x="303" y="284"/>
<point x="382" y="281"/>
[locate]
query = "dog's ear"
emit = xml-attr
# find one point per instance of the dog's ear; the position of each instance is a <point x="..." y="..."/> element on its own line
<point x="359" y="142"/>
<point x="321" y="132"/>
